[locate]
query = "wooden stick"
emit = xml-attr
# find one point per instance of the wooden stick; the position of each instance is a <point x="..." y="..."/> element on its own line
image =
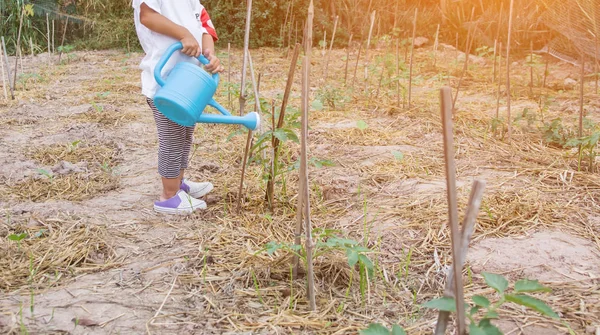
<point x="229" y="73"/>
<point x="467" y="57"/>
<point x="356" y="66"/>
<point x="18" y="48"/>
<point x="508" y="121"/>
<point x="271" y="189"/>
<point x="531" y="67"/>
<point x="31" y="45"/>
<point x="12" y="89"/>
<point x="396" y="16"/>
<point x="48" y="35"/>
<point x="596" y="60"/>
<point x="244" y="161"/>
<point x="495" y="59"/>
<point x="256" y="99"/>
<point x="499" y="82"/>
<point x="499" y="21"/>
<point x="62" y="42"/>
<point x="324" y="42"/>
<point x="456" y="50"/>
<point x="53" y="50"/>
<point x="347" y="59"/>
<point x="581" y="94"/>
<point x="245" y="57"/>
<point x="435" y="45"/>
<point x="412" y="54"/>
<point x="545" y="74"/>
<point x="282" y="30"/>
<point x="446" y="106"/>
<point x="331" y="45"/>
<point x="368" y="44"/>
<point x="3" y="73"/>
<point x="468" y="225"/>
<point x="398" y="71"/>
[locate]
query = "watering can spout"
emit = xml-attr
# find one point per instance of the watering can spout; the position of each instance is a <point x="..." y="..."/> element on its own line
<point x="250" y="120"/>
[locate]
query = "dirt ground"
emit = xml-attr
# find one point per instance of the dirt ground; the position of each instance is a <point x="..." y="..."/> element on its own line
<point x="78" y="175"/>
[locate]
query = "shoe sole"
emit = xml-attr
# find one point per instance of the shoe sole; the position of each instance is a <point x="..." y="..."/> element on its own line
<point x="180" y="211"/>
<point x="203" y="192"/>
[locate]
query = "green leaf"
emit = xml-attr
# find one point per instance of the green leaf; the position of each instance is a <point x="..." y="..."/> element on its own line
<point x="497" y="282"/>
<point x="272" y="247"/>
<point x="533" y="303"/>
<point x="17" y="237"/>
<point x="481" y="301"/>
<point x="280" y="134"/>
<point x="445" y="304"/>
<point x="489" y="328"/>
<point x="375" y="329"/>
<point x="527" y="285"/>
<point x="352" y="257"/>
<point x="366" y="262"/>
<point x="474" y="310"/>
<point x="398" y="155"/>
<point x="491" y="315"/>
<point x="317" y="105"/>
<point x="397" y="330"/>
<point x="474" y="330"/>
<point x="362" y="125"/>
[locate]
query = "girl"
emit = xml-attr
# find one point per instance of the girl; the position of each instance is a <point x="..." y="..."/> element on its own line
<point x="159" y="24"/>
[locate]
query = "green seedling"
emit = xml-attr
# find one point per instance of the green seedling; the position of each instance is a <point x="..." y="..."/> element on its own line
<point x="488" y="310"/>
<point x="398" y="155"/>
<point x="379" y="329"/>
<point x="17" y="238"/>
<point x="361" y="125"/>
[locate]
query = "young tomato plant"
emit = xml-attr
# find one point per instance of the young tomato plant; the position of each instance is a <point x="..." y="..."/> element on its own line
<point x="488" y="310"/>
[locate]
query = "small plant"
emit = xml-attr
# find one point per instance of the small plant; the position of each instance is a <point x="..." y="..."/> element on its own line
<point x="586" y="144"/>
<point x="17" y="238"/>
<point x="330" y="96"/>
<point x="378" y="329"/>
<point x="361" y="125"/>
<point x="488" y="310"/>
<point x="555" y="134"/>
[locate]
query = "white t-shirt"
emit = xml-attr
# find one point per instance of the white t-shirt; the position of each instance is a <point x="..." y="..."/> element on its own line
<point x="186" y="13"/>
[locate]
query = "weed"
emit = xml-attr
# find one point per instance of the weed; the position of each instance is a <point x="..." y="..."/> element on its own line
<point x="488" y="310"/>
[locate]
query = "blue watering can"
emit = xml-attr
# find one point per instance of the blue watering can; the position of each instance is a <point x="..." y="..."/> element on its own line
<point x="186" y="92"/>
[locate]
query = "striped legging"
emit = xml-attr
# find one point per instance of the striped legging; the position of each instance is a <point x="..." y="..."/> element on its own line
<point x="174" y="144"/>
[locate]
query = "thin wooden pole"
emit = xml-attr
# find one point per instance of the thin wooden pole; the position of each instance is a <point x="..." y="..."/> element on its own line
<point x="31" y="46"/>
<point x="48" y="35"/>
<point x="244" y="161"/>
<point x="245" y="56"/>
<point x="446" y="106"/>
<point x="596" y="60"/>
<point x="499" y="82"/>
<point x="495" y="61"/>
<point x="12" y="89"/>
<point x="229" y="74"/>
<point x="331" y="46"/>
<point x="398" y="72"/>
<point x="283" y="27"/>
<point x="508" y="120"/>
<point x="435" y="45"/>
<point x="347" y="59"/>
<point x="581" y="94"/>
<point x="53" y="50"/>
<point x="467" y="57"/>
<point x="412" y="54"/>
<point x="368" y="44"/>
<point x="468" y="225"/>
<point x="531" y="68"/>
<point x="3" y="74"/>
<point x="18" y="47"/>
<point x="356" y="66"/>
<point x="396" y="16"/>
<point x="255" y="85"/>
<point x="62" y="42"/>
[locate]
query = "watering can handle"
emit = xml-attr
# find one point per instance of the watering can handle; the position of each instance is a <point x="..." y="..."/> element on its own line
<point x="165" y="58"/>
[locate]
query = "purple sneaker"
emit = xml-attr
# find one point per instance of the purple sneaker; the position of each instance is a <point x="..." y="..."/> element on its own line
<point x="181" y="203"/>
<point x="196" y="190"/>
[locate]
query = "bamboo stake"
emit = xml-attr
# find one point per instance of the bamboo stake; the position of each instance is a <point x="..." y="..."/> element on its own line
<point x="18" y="48"/>
<point x="347" y="59"/>
<point x="510" y="17"/>
<point x="356" y="66"/>
<point x="467" y="57"/>
<point x="495" y="59"/>
<point x="596" y="61"/>
<point x="324" y="42"/>
<point x="256" y="98"/>
<point x="499" y="82"/>
<point x="31" y="46"/>
<point x="244" y="161"/>
<point x="412" y="52"/>
<point x="245" y="57"/>
<point x="53" y="50"/>
<point x="21" y="61"/>
<point x="286" y="96"/>
<point x="435" y="45"/>
<point x="48" y="35"/>
<point x="229" y="74"/>
<point x="398" y="72"/>
<point x="531" y="68"/>
<point x="331" y="46"/>
<point x="581" y="95"/>
<point x="12" y="89"/>
<point x="468" y="225"/>
<point x="62" y="42"/>
<point x="271" y="190"/>
<point x="290" y="37"/>
<point x="446" y="106"/>
<point x="499" y="21"/>
<point x="3" y="74"/>
<point x="368" y="44"/>
<point x="283" y="27"/>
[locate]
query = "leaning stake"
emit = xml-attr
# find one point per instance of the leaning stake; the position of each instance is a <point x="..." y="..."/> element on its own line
<point x="245" y="57"/>
<point x="446" y="106"/>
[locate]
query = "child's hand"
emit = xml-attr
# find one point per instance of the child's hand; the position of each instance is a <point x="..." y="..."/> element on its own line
<point x="191" y="47"/>
<point x="215" y="64"/>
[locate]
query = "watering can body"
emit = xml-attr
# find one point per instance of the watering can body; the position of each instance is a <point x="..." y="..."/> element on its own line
<point x="188" y="89"/>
